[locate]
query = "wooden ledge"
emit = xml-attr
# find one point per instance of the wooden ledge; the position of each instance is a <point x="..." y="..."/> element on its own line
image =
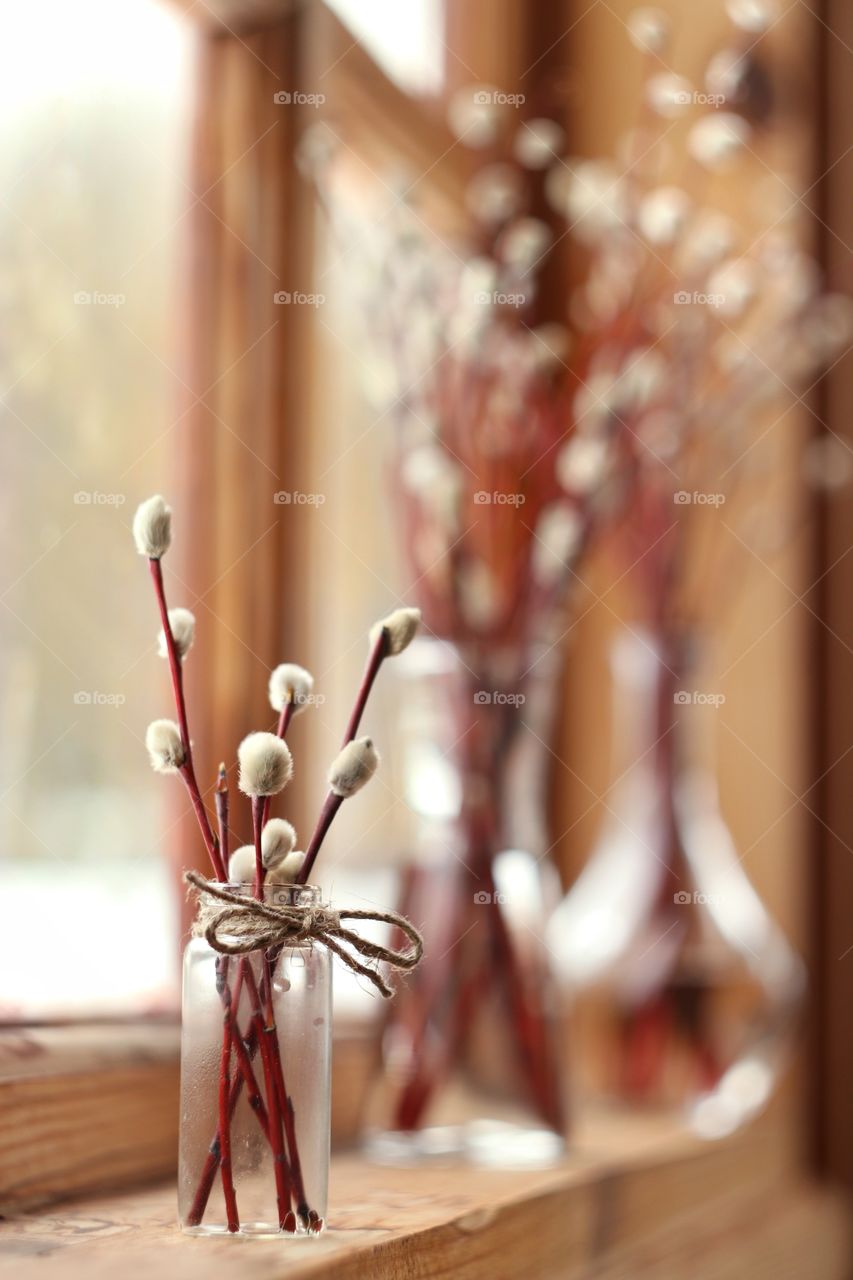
<point x="631" y="1201"/>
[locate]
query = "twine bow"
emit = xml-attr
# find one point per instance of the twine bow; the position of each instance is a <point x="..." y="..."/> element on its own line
<point x="247" y="924"/>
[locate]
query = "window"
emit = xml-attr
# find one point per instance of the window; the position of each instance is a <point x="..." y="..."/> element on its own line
<point x="93" y="167"/>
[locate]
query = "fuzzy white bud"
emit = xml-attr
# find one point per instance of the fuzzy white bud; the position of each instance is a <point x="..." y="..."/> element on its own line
<point x="715" y="138"/>
<point x="473" y="114"/>
<point x="165" y="748"/>
<point x="401" y="625"/>
<point x="583" y="463"/>
<point x="662" y="213"/>
<point x="241" y="864"/>
<point x="524" y="242"/>
<point x="182" y="627"/>
<point x="286" y="871"/>
<point x="277" y="840"/>
<point x="266" y="765"/>
<point x="648" y="30"/>
<point x="152" y="527"/>
<point x="754" y="16"/>
<point x="537" y="143"/>
<point x="290" y="683"/>
<point x="669" y="95"/>
<point x="354" y="767"/>
<point x="596" y="199"/>
<point x="559" y="533"/>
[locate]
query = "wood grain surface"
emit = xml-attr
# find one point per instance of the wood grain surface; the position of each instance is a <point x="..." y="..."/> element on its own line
<point x="634" y="1200"/>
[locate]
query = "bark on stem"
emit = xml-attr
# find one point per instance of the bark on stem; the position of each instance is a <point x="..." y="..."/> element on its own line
<point x="221" y="798"/>
<point x="231" y="1213"/>
<point x="268" y="1034"/>
<point x="377" y="655"/>
<point x="250" y="1048"/>
<point x="281" y="729"/>
<point x="330" y="807"/>
<point x="188" y="770"/>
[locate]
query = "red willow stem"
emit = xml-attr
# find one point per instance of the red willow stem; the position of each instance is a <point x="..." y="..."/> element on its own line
<point x="249" y="1049"/>
<point x="266" y="1035"/>
<point x="221" y="799"/>
<point x="377" y="655"/>
<point x="225" y="1171"/>
<point x="331" y="805"/>
<point x="232" y="1000"/>
<point x="244" y="1051"/>
<point x="220" y="1150"/>
<point x="188" y="775"/>
<point x="281" y="729"/>
<point x="211" y="1164"/>
<point x="258" y="803"/>
<point x="230" y="1033"/>
<point x="270" y="1055"/>
<point x="187" y="770"/>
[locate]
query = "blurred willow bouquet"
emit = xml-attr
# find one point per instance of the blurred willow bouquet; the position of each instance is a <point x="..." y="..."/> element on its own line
<point x="531" y="425"/>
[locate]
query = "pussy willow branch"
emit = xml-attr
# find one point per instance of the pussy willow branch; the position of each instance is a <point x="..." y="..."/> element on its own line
<point x="230" y="1034"/>
<point x="443" y="997"/>
<point x="244" y="1061"/>
<point x="267" y="1036"/>
<point x="221" y="798"/>
<point x="264" y="1016"/>
<point x="378" y="654"/>
<point x="211" y="1164"/>
<point x="225" y="1171"/>
<point x="281" y="731"/>
<point x="187" y="770"/>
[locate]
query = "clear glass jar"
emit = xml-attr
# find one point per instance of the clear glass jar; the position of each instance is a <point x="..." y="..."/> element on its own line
<point x="274" y="1084"/>
<point x="685" y="992"/>
<point x="472" y="1041"/>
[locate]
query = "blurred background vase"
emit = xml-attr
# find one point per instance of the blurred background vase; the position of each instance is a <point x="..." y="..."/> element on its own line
<point x="471" y="1046"/>
<point x="684" y="992"/>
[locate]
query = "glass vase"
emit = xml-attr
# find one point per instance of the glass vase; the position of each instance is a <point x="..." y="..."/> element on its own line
<point x="684" y="991"/>
<point x="471" y="1045"/>
<point x="255" y="1085"/>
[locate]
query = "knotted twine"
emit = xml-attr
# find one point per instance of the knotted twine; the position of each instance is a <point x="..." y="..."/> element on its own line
<point x="246" y="924"/>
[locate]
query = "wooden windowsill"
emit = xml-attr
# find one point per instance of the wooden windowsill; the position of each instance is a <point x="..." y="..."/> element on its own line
<point x="632" y="1200"/>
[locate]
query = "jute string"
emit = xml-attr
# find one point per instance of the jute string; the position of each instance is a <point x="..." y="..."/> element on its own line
<point x="245" y="924"/>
